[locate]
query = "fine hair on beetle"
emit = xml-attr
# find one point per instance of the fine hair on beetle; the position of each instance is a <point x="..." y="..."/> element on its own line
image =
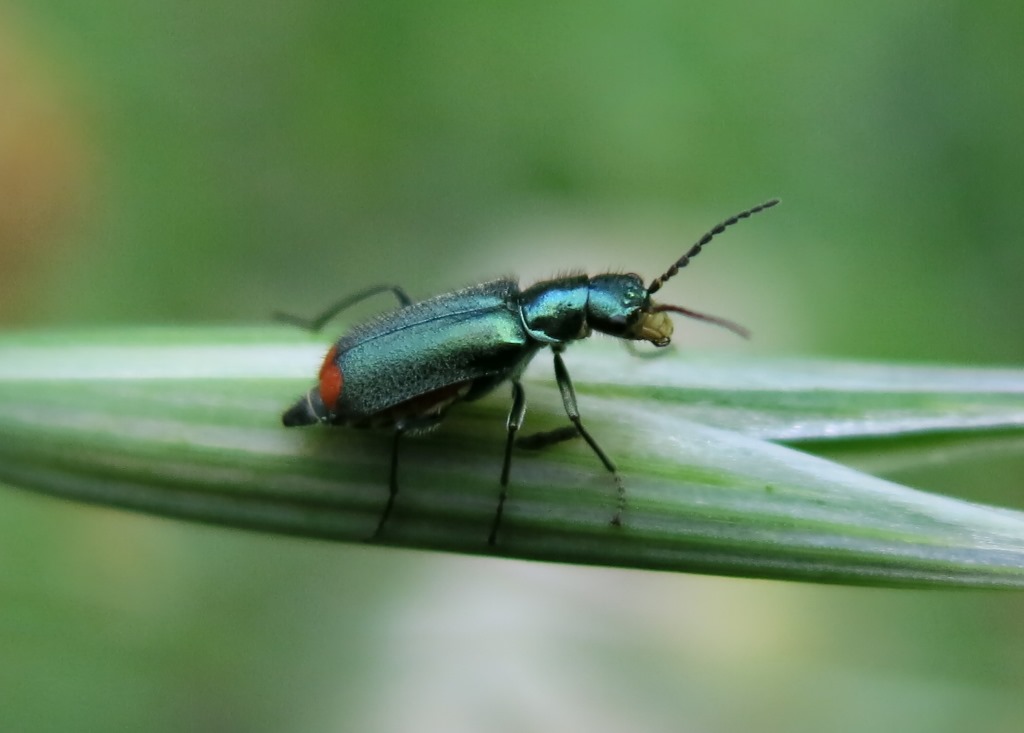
<point x="406" y="368"/>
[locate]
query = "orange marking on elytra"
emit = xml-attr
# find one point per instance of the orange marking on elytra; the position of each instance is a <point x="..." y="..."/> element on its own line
<point x="331" y="380"/>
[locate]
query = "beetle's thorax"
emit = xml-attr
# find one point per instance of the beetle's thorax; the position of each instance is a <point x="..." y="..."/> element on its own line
<point x="555" y="311"/>
<point x="571" y="307"/>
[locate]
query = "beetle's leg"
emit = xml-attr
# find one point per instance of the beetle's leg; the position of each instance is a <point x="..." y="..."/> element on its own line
<point x="515" y="421"/>
<point x="631" y="347"/>
<point x="392" y="484"/>
<point x="539" y="441"/>
<point x="569" y="402"/>
<point x="317" y="323"/>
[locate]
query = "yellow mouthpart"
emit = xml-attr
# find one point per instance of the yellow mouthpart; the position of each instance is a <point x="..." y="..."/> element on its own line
<point x="654" y="327"/>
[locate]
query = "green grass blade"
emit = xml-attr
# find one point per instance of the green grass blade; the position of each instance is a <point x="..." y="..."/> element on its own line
<point x="812" y="399"/>
<point x="185" y="422"/>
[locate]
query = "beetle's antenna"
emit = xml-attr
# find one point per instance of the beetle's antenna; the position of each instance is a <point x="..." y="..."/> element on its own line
<point x="683" y="261"/>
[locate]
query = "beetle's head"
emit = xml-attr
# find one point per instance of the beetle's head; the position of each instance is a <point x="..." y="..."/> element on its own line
<point x="620" y="306"/>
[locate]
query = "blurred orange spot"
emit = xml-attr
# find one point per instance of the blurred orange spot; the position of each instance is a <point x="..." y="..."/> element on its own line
<point x="40" y="168"/>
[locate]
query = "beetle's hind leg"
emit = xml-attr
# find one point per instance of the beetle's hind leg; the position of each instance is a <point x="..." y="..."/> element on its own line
<point x="415" y="426"/>
<point x="573" y="412"/>
<point x="392" y="485"/>
<point x="317" y="323"/>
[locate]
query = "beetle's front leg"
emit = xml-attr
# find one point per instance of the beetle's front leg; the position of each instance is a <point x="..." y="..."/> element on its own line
<point x="631" y="347"/>
<point x="573" y="412"/>
<point x="515" y="421"/>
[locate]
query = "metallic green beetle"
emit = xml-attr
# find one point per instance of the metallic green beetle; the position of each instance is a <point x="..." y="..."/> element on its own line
<point x="405" y="369"/>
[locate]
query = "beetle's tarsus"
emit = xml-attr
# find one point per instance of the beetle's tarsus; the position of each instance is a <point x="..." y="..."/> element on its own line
<point x="620" y="506"/>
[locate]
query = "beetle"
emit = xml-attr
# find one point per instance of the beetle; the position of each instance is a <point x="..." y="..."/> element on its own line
<point x="405" y="369"/>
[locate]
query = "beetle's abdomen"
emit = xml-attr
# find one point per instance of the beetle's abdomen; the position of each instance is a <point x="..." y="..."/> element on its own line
<point x="319" y="403"/>
<point x="423" y="410"/>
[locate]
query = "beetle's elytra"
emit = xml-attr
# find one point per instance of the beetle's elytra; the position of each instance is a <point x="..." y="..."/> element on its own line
<point x="405" y="369"/>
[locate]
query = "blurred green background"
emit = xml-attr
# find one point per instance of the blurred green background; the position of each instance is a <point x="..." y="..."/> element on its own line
<point x="198" y="162"/>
